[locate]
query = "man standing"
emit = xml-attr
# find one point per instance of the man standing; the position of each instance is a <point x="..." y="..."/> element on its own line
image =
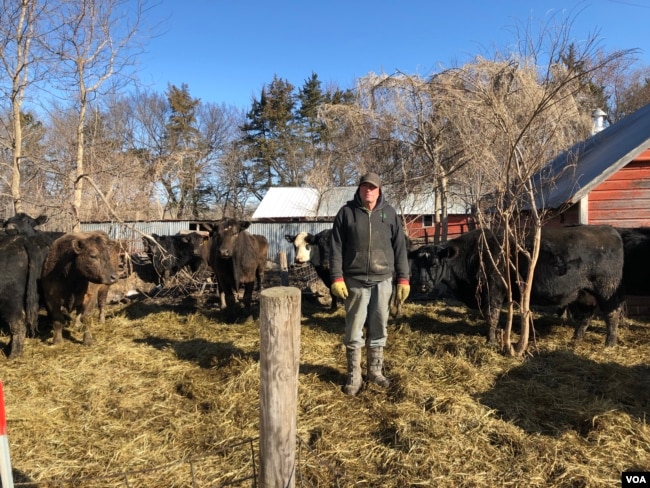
<point x="368" y="247"/>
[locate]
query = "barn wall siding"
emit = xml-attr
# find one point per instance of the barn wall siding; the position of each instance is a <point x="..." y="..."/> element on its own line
<point x="623" y="200"/>
<point x="457" y="225"/>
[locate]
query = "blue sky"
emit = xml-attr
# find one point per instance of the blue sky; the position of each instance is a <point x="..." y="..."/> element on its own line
<point x="226" y="50"/>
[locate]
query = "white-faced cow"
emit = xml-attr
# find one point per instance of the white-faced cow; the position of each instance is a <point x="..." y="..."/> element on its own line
<point x="238" y="258"/>
<point x="578" y="266"/>
<point x="75" y="260"/>
<point x="170" y="254"/>
<point x="314" y="249"/>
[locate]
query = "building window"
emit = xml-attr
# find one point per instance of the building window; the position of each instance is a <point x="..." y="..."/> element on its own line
<point x="427" y="221"/>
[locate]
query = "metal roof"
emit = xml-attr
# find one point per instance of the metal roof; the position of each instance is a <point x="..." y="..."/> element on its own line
<point x="284" y="202"/>
<point x="288" y="202"/>
<point x="574" y="173"/>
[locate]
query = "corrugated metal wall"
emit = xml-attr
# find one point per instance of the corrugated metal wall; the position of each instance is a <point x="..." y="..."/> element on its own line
<point x="129" y="232"/>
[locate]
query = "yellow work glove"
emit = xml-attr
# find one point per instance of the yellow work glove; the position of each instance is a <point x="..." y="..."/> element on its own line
<point x="403" y="291"/>
<point x="339" y="289"/>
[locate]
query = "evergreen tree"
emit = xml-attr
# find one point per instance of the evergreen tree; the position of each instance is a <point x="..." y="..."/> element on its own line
<point x="269" y="139"/>
<point x="311" y="96"/>
<point x="180" y="175"/>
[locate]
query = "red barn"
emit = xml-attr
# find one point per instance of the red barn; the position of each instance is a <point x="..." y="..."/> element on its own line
<point x="603" y="180"/>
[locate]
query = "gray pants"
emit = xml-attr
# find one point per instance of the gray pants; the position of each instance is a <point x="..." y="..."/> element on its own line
<point x="367" y="305"/>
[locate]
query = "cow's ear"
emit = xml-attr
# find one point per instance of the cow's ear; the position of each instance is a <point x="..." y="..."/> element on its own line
<point x="77" y="245"/>
<point x="289" y="238"/>
<point x="449" y="252"/>
<point x="146" y="242"/>
<point x="41" y="219"/>
<point x="311" y="239"/>
<point x="244" y="224"/>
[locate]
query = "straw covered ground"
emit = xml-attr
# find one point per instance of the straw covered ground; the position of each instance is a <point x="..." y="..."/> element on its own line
<point x="169" y="396"/>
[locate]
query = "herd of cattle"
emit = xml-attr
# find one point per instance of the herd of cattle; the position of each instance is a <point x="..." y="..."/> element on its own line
<point x="72" y="272"/>
<point x="580" y="269"/>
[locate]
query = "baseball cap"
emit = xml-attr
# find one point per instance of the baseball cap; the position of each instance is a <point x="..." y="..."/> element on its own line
<point x="372" y="178"/>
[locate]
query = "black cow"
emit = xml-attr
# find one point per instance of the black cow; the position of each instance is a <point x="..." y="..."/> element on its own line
<point x="21" y="264"/>
<point x="238" y="258"/>
<point x="578" y="266"/>
<point x="315" y="250"/>
<point x="170" y="254"/>
<point x="22" y="223"/>
<point x="23" y="250"/>
<point x="636" y="268"/>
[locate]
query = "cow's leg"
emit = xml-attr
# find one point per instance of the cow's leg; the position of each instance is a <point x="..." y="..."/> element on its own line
<point x="582" y="311"/>
<point x="248" y="300"/>
<point x="102" y="300"/>
<point x="88" y="337"/>
<point x="230" y="305"/>
<point x="57" y="336"/>
<point x="86" y="316"/>
<point x="260" y="278"/>
<point x="612" y="319"/>
<point x="581" y="328"/>
<point x="84" y="305"/>
<point x="18" y="332"/>
<point x="58" y="319"/>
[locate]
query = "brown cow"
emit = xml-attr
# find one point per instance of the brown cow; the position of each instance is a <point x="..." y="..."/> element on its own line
<point x="237" y="258"/>
<point x="75" y="260"/>
<point x="98" y="292"/>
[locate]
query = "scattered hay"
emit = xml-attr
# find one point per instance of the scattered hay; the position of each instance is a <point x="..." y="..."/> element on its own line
<point x="169" y="393"/>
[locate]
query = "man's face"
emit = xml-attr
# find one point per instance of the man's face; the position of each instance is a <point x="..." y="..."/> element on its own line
<point x="369" y="194"/>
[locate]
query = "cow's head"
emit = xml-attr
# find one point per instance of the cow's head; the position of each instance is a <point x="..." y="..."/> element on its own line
<point x="21" y="223"/>
<point x="195" y="242"/>
<point x="226" y="234"/>
<point x="302" y="244"/>
<point x="93" y="257"/>
<point x="430" y="262"/>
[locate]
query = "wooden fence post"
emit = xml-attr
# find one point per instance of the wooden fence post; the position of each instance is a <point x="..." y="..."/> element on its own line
<point x="279" y="362"/>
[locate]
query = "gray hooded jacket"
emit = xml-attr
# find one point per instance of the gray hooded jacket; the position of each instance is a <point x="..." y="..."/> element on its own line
<point x="368" y="246"/>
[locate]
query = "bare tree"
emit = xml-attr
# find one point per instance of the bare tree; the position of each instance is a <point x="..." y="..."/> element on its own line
<point x="630" y="90"/>
<point x="519" y="111"/>
<point x="19" y="61"/>
<point x="93" y="46"/>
